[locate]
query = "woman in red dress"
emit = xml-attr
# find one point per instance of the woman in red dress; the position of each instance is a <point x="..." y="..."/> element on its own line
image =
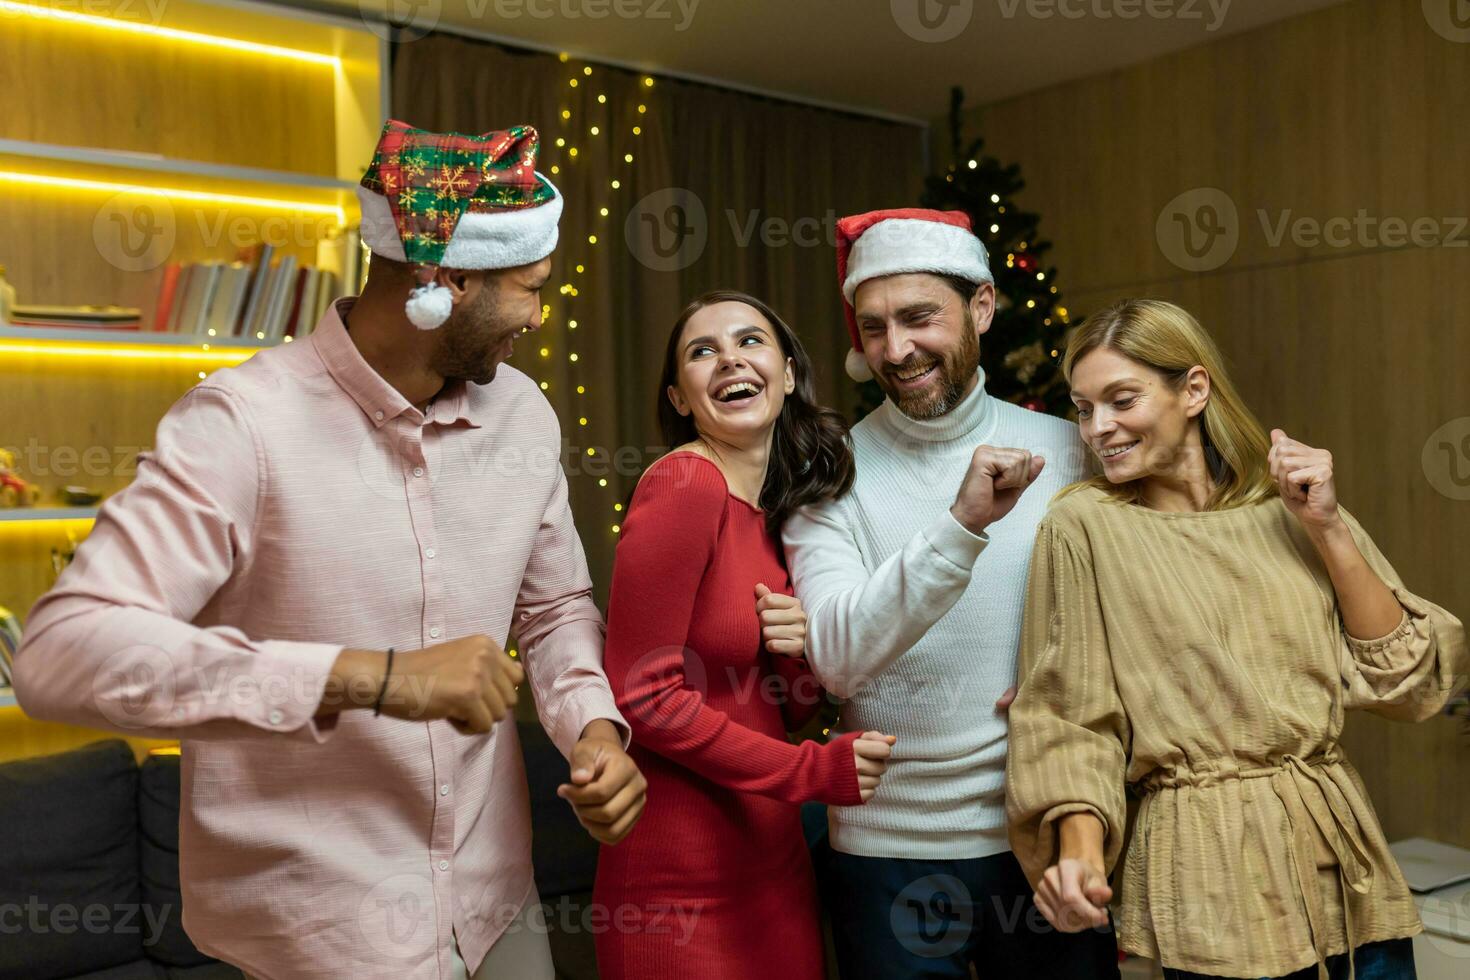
<point x="704" y="652"/>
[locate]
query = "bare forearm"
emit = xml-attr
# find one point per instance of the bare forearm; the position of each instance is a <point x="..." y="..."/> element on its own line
<point x="1080" y="836"/>
<point x="1369" y="608"/>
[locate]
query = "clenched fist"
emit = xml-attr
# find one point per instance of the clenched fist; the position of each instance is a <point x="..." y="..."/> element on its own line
<point x="992" y="485"/>
<point x="470" y="681"/>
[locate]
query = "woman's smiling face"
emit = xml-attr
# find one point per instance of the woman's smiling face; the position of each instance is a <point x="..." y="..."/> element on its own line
<point x="733" y="377"/>
<point x="1131" y="417"/>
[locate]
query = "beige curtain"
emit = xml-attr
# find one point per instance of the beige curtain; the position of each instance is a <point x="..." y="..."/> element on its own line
<point x="723" y="189"/>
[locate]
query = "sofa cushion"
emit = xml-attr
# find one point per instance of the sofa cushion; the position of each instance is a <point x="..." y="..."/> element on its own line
<point x="69" y="863"/>
<point x="158" y="843"/>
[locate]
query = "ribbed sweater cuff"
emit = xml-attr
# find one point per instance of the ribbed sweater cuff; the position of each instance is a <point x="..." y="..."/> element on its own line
<point x="836" y="777"/>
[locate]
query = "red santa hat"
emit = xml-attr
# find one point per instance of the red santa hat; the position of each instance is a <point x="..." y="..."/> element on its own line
<point x="901" y="240"/>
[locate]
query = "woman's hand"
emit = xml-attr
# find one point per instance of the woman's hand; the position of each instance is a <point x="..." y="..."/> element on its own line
<point x="783" y="622"/>
<point x="1074" y="895"/>
<point x="871" y="751"/>
<point x="1304" y="475"/>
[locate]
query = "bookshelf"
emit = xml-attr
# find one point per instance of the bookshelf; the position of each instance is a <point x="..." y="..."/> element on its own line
<point x="138" y="136"/>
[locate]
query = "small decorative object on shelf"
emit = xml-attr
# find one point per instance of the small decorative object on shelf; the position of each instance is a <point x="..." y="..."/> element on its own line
<point x="9" y="643"/>
<point x="15" y="492"/>
<point x="75" y="496"/>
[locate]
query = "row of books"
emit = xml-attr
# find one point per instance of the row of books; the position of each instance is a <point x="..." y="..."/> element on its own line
<point x="253" y="298"/>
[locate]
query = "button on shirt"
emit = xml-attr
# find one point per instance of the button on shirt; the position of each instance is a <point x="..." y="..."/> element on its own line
<point x="291" y="508"/>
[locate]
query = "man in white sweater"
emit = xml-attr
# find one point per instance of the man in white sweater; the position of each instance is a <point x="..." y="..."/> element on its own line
<point x="913" y="585"/>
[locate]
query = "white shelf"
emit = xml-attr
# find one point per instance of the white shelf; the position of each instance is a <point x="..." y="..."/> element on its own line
<point x="22" y="514"/>
<point x="7" y="697"/>
<point x="157" y="163"/>
<point x="140" y="338"/>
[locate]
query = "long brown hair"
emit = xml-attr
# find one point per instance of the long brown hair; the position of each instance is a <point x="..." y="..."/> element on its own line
<point x="811" y="452"/>
<point x="1166" y="338"/>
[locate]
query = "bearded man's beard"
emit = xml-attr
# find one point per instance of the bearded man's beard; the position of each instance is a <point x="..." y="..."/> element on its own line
<point x="954" y="373"/>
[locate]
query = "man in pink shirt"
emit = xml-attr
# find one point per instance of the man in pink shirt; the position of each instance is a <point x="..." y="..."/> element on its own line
<point x="358" y="521"/>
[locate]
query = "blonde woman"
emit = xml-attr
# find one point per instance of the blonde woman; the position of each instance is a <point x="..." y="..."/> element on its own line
<point x="1198" y="618"/>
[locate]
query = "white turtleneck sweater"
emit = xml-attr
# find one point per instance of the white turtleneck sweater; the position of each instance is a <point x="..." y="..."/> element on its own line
<point x="915" y="621"/>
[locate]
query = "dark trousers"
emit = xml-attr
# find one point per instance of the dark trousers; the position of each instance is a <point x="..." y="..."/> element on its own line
<point x="1389" y="960"/>
<point x="894" y="918"/>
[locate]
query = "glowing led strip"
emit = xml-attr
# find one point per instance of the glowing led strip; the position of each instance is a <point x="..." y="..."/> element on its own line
<point x="173" y="34"/>
<point x="46" y="180"/>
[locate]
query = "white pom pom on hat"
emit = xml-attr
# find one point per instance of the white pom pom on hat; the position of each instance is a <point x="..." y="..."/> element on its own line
<point x="857" y="367"/>
<point x="429" y="306"/>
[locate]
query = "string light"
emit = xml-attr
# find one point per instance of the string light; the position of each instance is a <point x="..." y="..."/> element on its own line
<point x="570" y="288"/>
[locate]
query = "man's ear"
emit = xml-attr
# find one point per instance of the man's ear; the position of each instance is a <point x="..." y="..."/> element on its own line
<point x="676" y="397"/>
<point x="982" y="307"/>
<point x="459" y="282"/>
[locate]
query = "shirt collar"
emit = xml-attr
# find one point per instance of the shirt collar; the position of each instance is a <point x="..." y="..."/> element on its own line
<point x="379" y="400"/>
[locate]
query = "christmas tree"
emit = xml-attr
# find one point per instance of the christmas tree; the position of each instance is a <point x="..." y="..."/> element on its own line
<point x="1022" y="352"/>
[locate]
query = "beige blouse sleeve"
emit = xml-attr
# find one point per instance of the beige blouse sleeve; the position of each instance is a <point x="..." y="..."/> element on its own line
<point x="1069" y="735"/>
<point x="1409" y="674"/>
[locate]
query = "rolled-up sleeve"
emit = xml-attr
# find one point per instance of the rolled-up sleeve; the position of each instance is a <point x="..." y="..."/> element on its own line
<point x="112" y="645"/>
<point x="1410" y="673"/>
<point x="1069" y="734"/>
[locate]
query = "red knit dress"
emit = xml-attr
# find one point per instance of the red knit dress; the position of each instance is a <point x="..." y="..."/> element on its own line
<point x="715" y="881"/>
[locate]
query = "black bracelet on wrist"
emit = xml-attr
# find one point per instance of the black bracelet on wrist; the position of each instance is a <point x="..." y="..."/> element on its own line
<point x="378" y="704"/>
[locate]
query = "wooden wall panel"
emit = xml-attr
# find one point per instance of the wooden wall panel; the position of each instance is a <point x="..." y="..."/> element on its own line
<point x="1363" y="346"/>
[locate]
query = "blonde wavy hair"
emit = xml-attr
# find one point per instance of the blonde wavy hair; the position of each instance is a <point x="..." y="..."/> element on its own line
<point x="1166" y="338"/>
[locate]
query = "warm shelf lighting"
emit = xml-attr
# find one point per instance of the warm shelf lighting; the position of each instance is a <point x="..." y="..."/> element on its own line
<point x="77" y="183"/>
<point x="169" y="33"/>
<point x="139" y="351"/>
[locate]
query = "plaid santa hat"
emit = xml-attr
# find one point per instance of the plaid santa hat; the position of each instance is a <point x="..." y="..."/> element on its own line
<point x="456" y="201"/>
<point x="896" y="241"/>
